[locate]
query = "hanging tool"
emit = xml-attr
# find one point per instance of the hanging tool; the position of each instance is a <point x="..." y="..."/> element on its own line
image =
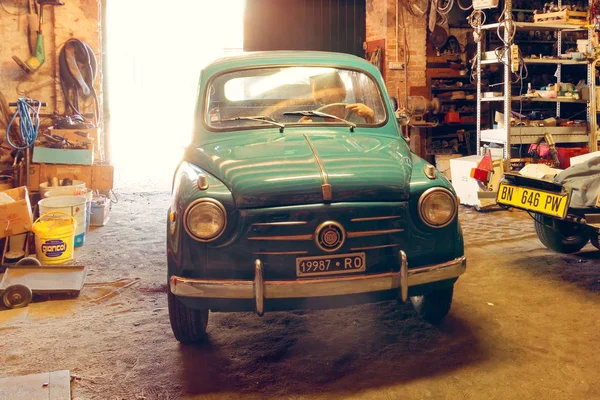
<point x="78" y="70"/>
<point x="34" y="62"/>
<point x="33" y="25"/>
<point x="28" y="114"/>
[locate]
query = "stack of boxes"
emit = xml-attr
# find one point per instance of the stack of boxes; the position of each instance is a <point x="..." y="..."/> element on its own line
<point x="83" y="163"/>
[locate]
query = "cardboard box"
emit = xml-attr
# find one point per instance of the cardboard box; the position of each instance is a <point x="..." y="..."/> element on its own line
<point x="81" y="136"/>
<point x="16" y="217"/>
<point x="63" y="156"/>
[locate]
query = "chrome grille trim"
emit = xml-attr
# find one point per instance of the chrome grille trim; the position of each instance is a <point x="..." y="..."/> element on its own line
<point x="374" y="218"/>
<point x="318" y="161"/>
<point x="372" y="233"/>
<point x="280" y="252"/>
<point x="282" y="237"/>
<point x="282" y="223"/>
<point x="325" y="186"/>
<point x="383" y="246"/>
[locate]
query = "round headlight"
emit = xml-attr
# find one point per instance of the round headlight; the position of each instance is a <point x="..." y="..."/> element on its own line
<point x="437" y="207"/>
<point x="205" y="219"/>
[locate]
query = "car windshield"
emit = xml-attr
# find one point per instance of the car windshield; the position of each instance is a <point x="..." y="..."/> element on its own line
<point x="260" y="97"/>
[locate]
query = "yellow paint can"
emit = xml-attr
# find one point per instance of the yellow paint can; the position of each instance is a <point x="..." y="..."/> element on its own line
<point x="54" y="237"/>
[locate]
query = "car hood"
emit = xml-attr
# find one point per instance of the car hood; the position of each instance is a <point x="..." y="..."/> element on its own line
<point x="267" y="171"/>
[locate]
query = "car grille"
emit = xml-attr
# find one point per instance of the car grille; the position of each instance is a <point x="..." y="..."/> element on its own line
<point x="278" y="235"/>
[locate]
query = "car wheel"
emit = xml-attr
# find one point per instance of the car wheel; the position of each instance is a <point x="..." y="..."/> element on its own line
<point x="560" y="236"/>
<point x="433" y="307"/>
<point x="188" y="325"/>
<point x="595" y="240"/>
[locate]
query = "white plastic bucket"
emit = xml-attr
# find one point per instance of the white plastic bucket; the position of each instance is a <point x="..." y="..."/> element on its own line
<point x="75" y="191"/>
<point x="44" y="187"/>
<point x="100" y="208"/>
<point x="72" y="205"/>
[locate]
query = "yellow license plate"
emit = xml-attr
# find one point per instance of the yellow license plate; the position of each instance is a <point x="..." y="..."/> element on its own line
<point x="540" y="201"/>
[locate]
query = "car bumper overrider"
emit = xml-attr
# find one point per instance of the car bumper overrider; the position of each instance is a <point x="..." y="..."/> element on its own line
<point x="259" y="289"/>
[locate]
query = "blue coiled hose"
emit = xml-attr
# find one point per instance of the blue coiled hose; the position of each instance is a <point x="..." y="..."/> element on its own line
<point x="29" y="123"/>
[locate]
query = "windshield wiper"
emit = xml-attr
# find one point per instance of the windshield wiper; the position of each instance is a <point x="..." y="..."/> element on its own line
<point x="259" y="118"/>
<point x="310" y="113"/>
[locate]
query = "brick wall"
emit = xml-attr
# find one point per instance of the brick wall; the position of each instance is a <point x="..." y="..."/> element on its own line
<point x="381" y="24"/>
<point x="78" y="19"/>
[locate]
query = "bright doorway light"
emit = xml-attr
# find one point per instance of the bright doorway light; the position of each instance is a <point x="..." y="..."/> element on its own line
<point x="155" y="51"/>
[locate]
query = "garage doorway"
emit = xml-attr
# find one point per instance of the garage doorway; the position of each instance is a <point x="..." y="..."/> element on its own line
<point x="155" y="51"/>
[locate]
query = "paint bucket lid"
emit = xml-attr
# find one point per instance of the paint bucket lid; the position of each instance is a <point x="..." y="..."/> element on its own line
<point x="55" y="223"/>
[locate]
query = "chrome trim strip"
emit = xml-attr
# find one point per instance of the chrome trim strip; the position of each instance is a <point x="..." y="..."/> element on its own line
<point x="345" y="285"/>
<point x="437" y="272"/>
<point x="325" y="186"/>
<point x="259" y="287"/>
<point x="212" y="289"/>
<point x="403" y="276"/>
<point x="280" y="252"/>
<point x="373" y="247"/>
<point x="282" y="223"/>
<point x="372" y="233"/>
<point x="290" y="237"/>
<point x="374" y="218"/>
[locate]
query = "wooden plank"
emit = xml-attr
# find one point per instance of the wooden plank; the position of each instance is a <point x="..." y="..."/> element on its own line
<point x="564" y="16"/>
<point x="45" y="386"/>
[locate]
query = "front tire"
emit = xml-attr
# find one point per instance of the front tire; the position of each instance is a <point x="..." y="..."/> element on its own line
<point x="561" y="236"/>
<point x="188" y="325"/>
<point x="433" y="307"/>
<point x="595" y="240"/>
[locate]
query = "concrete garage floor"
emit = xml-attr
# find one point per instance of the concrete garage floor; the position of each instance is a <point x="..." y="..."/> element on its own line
<point x="524" y="325"/>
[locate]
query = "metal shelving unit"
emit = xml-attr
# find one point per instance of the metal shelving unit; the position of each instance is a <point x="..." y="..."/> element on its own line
<point x="509" y="135"/>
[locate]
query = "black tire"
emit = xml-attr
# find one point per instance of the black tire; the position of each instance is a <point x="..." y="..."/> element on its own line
<point x="17" y="296"/>
<point x="433" y="307"/>
<point x="29" y="261"/>
<point x="595" y="240"/>
<point x="188" y="325"/>
<point x="561" y="236"/>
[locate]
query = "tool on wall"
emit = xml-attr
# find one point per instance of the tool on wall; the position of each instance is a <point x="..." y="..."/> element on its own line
<point x="33" y="25"/>
<point x="28" y="116"/>
<point x="38" y="57"/>
<point x="78" y="70"/>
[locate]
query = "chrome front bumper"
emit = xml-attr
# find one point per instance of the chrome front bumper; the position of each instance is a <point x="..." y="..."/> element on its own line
<point x="259" y="289"/>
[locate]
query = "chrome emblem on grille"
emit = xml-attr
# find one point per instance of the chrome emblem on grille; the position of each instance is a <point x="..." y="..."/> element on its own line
<point x="330" y="236"/>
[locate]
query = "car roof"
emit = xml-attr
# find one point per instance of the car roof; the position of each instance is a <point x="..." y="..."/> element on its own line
<point x="285" y="57"/>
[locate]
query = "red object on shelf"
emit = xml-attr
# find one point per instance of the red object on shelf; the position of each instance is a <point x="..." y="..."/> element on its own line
<point x="452" y="117"/>
<point x="483" y="171"/>
<point x="565" y="154"/>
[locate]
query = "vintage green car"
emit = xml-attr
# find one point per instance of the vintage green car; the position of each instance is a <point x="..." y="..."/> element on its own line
<point x="299" y="191"/>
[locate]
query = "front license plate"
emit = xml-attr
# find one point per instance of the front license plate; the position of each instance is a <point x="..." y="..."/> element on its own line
<point x="548" y="203"/>
<point x="330" y="265"/>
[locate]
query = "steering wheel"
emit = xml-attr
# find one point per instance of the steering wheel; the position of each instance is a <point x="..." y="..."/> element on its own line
<point x="346" y="112"/>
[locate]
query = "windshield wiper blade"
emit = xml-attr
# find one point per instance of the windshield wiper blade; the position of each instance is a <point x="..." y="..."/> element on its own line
<point x="259" y="118"/>
<point x="309" y="113"/>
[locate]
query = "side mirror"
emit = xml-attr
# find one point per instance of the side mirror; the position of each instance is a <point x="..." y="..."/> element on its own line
<point x="394" y="102"/>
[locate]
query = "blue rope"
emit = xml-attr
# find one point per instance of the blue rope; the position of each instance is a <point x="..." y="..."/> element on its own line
<point x="29" y="123"/>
